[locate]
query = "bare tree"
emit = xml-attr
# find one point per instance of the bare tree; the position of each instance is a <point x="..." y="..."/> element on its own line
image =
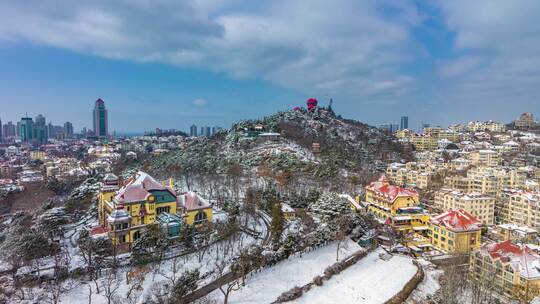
<point x="232" y="285"/>
<point x="111" y="284"/>
<point x="344" y="223"/>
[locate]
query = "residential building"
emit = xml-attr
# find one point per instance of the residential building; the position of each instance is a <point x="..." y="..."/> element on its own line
<point x="193" y="131"/>
<point x="455" y="231"/>
<point x="516" y="233"/>
<point x="395" y="205"/>
<point x="125" y="211"/>
<point x="484" y="158"/>
<point x="479" y="205"/>
<point x="512" y="271"/>
<point x="100" y="120"/>
<point x="523" y="208"/>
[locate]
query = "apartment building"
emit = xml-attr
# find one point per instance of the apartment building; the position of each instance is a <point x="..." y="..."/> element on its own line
<point x="512" y="271"/>
<point x="455" y="231"/>
<point x="479" y="205"/>
<point x="520" y="207"/>
<point x="484" y="158"/>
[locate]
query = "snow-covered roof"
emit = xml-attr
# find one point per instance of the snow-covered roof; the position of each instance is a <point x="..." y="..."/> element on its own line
<point x="382" y="187"/>
<point x="522" y="258"/>
<point x="457" y="220"/>
<point x="193" y="201"/>
<point x="138" y="189"/>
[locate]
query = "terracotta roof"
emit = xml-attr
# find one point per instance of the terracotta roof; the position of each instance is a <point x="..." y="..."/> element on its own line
<point x="457" y="220"/>
<point x="382" y="187"/>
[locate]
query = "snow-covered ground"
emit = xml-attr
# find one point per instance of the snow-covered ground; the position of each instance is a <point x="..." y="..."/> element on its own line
<point x="371" y="280"/>
<point x="429" y="285"/>
<point x="267" y="285"/>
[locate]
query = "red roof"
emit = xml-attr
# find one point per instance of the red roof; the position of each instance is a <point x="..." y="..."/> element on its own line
<point x="98" y="230"/>
<point x="505" y="248"/>
<point x="457" y="220"/>
<point x="382" y="187"/>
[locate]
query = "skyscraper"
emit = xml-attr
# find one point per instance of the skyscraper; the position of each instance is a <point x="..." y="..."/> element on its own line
<point x="50" y="130"/>
<point x="404" y="123"/>
<point x="26" y="129"/>
<point x="40" y="129"/>
<point x="9" y="130"/>
<point x="1" y="131"/>
<point x="193" y="131"/>
<point x="101" y="120"/>
<point x="68" y="130"/>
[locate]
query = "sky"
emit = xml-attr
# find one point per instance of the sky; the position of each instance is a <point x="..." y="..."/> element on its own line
<point x="170" y="64"/>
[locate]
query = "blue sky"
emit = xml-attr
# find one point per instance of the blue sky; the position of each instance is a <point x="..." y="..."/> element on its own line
<point x="169" y="64"/>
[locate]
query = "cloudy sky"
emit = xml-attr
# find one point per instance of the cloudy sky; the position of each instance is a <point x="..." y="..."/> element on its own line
<point x="169" y="63"/>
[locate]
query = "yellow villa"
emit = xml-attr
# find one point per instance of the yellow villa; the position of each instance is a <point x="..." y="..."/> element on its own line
<point x="514" y="270"/>
<point x="125" y="212"/>
<point x="396" y="206"/>
<point x="455" y="231"/>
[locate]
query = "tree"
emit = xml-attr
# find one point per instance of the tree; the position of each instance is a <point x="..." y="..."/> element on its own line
<point x="110" y="284"/>
<point x="186" y="284"/>
<point x="230" y="286"/>
<point x="277" y="223"/>
<point x="330" y="206"/>
<point x="94" y="252"/>
<point x="149" y="247"/>
<point x="344" y="223"/>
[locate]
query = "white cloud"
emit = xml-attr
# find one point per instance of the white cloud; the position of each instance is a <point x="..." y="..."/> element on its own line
<point x="199" y="102"/>
<point x="314" y="46"/>
<point x="459" y="66"/>
<point x="499" y="65"/>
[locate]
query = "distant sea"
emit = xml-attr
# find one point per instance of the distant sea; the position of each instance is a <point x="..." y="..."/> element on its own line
<point x="129" y="134"/>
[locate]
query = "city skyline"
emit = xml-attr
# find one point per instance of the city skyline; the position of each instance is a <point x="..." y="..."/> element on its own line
<point x="439" y="62"/>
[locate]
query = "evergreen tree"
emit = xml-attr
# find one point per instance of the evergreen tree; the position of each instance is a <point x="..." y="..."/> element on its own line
<point x="276" y="226"/>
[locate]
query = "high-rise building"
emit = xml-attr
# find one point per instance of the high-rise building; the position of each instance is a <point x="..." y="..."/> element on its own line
<point x="26" y="129"/>
<point x="389" y="127"/>
<point x="193" y="131"/>
<point x="100" y="120"/>
<point x="207" y="131"/>
<point x="50" y="130"/>
<point x="1" y="131"/>
<point x="68" y="130"/>
<point x="8" y="130"/>
<point x="404" y="123"/>
<point x="40" y="129"/>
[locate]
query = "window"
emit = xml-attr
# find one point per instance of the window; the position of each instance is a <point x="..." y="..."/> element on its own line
<point x="163" y="209"/>
<point x="136" y="235"/>
<point x="200" y="217"/>
<point x="436" y="236"/>
<point x="450" y="242"/>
